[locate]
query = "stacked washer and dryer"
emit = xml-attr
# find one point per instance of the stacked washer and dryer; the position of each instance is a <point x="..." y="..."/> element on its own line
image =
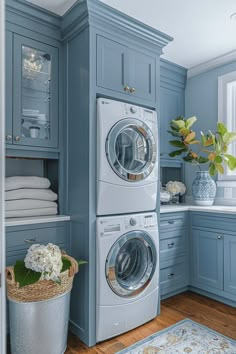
<point x="127" y="227"/>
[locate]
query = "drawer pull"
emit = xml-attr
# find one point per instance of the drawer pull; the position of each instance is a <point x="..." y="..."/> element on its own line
<point x="30" y="240"/>
<point x="171" y="275"/>
<point x="170" y="245"/>
<point x="171" y="221"/>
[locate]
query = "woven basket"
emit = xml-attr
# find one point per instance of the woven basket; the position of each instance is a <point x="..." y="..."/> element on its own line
<point x="43" y="289"/>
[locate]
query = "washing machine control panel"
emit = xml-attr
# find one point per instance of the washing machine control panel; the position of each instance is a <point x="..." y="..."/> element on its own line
<point x="141" y="221"/>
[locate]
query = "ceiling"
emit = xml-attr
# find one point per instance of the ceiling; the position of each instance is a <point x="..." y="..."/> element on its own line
<point x="202" y="30"/>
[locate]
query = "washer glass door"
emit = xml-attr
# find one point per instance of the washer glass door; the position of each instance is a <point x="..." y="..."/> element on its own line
<point x="131" y="149"/>
<point x="131" y="263"/>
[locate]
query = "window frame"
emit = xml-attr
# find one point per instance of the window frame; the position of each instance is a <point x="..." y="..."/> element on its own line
<point x="227" y="115"/>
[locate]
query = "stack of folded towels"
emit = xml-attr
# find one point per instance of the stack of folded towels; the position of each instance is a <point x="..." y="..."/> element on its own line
<point x="29" y="196"/>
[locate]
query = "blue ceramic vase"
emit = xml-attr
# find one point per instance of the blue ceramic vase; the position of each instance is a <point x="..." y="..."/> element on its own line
<point x="203" y="189"/>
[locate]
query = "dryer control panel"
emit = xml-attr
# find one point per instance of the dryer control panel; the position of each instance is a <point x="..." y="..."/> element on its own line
<point x="139" y="112"/>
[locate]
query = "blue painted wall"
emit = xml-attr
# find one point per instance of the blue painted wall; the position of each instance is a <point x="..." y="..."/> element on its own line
<point x="201" y="99"/>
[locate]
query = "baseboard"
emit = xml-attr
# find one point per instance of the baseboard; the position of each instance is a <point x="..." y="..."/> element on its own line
<point x="174" y="292"/>
<point x="213" y="296"/>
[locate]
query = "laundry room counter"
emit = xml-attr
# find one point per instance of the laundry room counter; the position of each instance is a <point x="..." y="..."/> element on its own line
<point x="223" y="209"/>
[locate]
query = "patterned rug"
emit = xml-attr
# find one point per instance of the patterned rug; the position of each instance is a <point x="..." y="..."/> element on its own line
<point x="184" y="337"/>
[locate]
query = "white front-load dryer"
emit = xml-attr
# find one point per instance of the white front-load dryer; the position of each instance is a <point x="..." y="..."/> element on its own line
<point x="127" y="292"/>
<point x="127" y="158"/>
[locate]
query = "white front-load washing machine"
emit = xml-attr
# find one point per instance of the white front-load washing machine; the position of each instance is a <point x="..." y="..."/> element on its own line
<point x="127" y="292"/>
<point x="127" y="158"/>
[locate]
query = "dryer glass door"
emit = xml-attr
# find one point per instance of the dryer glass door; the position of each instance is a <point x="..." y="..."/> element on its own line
<point x="131" y="150"/>
<point x="131" y="263"/>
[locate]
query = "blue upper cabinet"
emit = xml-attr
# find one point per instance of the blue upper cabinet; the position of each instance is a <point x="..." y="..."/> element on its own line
<point x="207" y="259"/>
<point x="142" y="75"/>
<point x="172" y="93"/>
<point x="35" y="93"/>
<point x="125" y="70"/>
<point x="230" y="264"/>
<point x="111" y="59"/>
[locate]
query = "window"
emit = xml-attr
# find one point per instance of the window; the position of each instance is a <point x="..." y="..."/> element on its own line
<point x="227" y="115"/>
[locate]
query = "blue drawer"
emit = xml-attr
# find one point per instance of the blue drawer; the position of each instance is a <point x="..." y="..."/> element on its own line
<point x="173" y="221"/>
<point x="173" y="274"/>
<point x="172" y="243"/>
<point x="23" y="237"/>
<point x="213" y="221"/>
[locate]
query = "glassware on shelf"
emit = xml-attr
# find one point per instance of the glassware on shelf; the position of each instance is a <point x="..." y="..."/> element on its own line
<point x="34" y="131"/>
<point x="36" y="94"/>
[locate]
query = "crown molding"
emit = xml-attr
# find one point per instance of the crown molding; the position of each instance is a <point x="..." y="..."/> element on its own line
<point x="212" y="64"/>
<point x="97" y="14"/>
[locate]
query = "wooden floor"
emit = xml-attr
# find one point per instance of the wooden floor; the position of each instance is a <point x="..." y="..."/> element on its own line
<point x="203" y="310"/>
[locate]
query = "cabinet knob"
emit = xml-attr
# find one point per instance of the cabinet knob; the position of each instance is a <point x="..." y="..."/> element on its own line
<point x="17" y="138"/>
<point x="126" y="88"/>
<point x="171" y="222"/>
<point x="8" y="137"/>
<point x="171" y="275"/>
<point x="220" y="237"/>
<point x="132" y="90"/>
<point x="170" y="245"/>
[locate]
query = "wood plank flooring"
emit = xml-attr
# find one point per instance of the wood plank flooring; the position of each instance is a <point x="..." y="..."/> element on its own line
<point x="210" y="313"/>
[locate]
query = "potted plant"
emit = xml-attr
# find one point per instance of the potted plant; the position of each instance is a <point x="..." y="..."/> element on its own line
<point x="211" y="150"/>
<point x="38" y="290"/>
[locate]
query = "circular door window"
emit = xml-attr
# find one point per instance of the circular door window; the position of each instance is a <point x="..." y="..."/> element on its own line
<point x="131" y="150"/>
<point x="131" y="263"/>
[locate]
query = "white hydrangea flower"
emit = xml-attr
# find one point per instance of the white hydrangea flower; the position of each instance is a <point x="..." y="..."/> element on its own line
<point x="175" y="188"/>
<point x="46" y="260"/>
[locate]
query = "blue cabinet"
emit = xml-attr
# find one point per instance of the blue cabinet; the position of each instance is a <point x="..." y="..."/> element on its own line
<point x="125" y="70"/>
<point x="230" y="264"/>
<point x="213" y="255"/>
<point x="173" y="253"/>
<point x="207" y="258"/>
<point x="34" y="118"/>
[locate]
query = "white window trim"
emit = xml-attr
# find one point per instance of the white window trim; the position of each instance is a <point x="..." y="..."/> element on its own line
<point x="226" y="113"/>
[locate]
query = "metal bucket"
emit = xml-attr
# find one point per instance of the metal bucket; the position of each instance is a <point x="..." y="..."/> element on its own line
<point x="39" y="327"/>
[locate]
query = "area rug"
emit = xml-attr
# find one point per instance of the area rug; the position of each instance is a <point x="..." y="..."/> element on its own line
<point x="184" y="337"/>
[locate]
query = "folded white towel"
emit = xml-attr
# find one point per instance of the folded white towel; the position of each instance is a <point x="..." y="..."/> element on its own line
<point x="30" y="212"/>
<point x="17" y="182"/>
<point x="28" y="193"/>
<point x="25" y="204"/>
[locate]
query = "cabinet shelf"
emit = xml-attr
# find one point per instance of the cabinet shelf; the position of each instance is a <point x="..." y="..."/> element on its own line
<point x="35" y="220"/>
<point x="34" y="89"/>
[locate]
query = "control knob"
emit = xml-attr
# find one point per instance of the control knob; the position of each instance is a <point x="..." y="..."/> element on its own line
<point x="133" y="109"/>
<point x="132" y="222"/>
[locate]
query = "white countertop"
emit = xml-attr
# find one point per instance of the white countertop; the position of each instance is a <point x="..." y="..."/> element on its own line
<point x="223" y="209"/>
<point x="35" y="220"/>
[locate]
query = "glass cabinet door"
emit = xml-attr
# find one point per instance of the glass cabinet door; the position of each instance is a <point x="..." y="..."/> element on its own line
<point x="35" y="117"/>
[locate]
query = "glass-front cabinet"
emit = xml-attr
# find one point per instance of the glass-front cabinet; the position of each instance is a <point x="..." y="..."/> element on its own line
<point x="35" y="93"/>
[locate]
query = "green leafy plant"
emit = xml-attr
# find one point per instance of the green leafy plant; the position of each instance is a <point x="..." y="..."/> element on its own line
<point x="25" y="276"/>
<point x="211" y="148"/>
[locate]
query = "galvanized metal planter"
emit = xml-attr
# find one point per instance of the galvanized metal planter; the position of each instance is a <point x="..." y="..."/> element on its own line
<point x="39" y="327"/>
